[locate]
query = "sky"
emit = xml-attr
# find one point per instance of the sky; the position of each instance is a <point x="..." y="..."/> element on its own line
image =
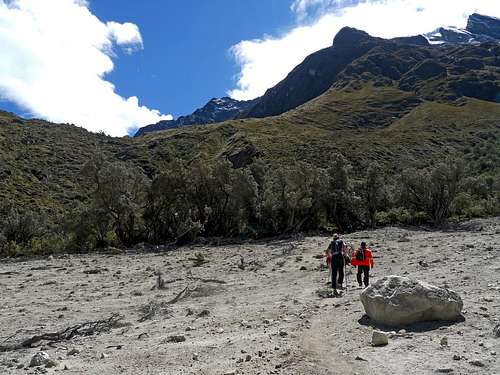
<point x="114" y="66"/>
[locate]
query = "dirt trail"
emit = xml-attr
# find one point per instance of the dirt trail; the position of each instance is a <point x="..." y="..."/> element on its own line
<point x="262" y="317"/>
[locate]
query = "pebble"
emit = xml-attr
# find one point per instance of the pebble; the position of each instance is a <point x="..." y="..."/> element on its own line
<point x="456" y="357"/>
<point x="477" y="363"/>
<point x="39" y="359"/>
<point x="444" y="341"/>
<point x="283" y="333"/>
<point x="176" y="338"/>
<point x="379" y="338"/>
<point x="74" y="351"/>
<point x="444" y="370"/>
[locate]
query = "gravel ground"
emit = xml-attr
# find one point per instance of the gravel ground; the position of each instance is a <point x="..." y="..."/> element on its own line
<point x="252" y="308"/>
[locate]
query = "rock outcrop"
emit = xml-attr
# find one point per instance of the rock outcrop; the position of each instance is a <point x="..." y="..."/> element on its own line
<point x="398" y="301"/>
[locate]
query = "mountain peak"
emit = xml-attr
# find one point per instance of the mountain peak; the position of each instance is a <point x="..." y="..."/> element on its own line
<point x="484" y="25"/>
<point x="349" y="35"/>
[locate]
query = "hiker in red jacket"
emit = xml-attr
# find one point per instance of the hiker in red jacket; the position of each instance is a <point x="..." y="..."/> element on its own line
<point x="363" y="258"/>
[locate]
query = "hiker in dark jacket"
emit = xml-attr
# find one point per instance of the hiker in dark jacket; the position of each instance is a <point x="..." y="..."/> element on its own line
<point x="363" y="258"/>
<point x="337" y="247"/>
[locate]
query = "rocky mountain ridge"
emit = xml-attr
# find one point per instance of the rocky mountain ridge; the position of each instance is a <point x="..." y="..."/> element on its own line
<point x="320" y="70"/>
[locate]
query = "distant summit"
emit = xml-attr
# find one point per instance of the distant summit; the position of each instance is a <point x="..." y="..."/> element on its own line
<point x="480" y="29"/>
<point x="216" y="110"/>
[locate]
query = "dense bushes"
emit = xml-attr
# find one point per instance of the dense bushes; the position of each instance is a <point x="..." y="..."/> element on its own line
<point x="194" y="199"/>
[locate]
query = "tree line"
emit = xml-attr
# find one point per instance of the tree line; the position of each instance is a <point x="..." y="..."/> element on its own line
<point x="189" y="200"/>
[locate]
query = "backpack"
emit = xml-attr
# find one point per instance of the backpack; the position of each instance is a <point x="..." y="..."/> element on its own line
<point x="336" y="246"/>
<point x="360" y="255"/>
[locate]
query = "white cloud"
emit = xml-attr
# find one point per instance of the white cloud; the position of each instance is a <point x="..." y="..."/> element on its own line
<point x="125" y="34"/>
<point x="264" y="62"/>
<point x="54" y="58"/>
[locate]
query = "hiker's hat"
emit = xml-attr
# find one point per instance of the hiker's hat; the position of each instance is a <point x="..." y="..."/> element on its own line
<point x="363" y="244"/>
<point x="335" y="236"/>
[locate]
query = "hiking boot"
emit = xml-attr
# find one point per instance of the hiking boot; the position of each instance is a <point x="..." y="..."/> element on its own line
<point x="335" y="293"/>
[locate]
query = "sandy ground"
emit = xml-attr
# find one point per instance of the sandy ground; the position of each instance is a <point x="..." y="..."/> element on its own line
<point x="262" y="316"/>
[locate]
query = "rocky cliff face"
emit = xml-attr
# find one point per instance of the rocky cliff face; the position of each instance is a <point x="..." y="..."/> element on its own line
<point x="479" y="29"/>
<point x="216" y="110"/>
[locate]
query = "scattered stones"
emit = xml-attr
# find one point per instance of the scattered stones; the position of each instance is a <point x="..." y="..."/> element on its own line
<point x="39" y="359"/>
<point x="396" y="300"/>
<point x="379" y="338"/>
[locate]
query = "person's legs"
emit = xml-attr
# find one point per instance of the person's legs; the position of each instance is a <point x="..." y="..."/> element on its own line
<point x="358" y="275"/>
<point x="341" y="272"/>
<point x="366" y="279"/>
<point x="334" y="275"/>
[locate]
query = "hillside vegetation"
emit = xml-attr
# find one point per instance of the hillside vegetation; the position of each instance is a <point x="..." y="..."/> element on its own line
<point x="406" y="134"/>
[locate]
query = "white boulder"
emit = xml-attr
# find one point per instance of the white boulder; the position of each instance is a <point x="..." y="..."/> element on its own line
<point x="398" y="301"/>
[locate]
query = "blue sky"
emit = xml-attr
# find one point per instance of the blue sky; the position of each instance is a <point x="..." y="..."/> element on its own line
<point x="114" y="66"/>
<point x="186" y="59"/>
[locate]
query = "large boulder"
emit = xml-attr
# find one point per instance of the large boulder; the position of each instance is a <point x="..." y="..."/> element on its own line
<point x="398" y="301"/>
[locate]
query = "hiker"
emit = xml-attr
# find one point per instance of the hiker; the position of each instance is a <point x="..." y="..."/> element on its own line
<point x="337" y="247"/>
<point x="363" y="258"/>
<point x="328" y="257"/>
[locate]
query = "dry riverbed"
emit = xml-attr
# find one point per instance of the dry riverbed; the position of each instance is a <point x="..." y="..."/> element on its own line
<point x="251" y="308"/>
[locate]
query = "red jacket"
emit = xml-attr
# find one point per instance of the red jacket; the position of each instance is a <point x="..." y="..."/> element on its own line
<point x="368" y="261"/>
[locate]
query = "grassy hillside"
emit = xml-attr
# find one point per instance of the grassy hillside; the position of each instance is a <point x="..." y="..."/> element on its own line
<point x="40" y="162"/>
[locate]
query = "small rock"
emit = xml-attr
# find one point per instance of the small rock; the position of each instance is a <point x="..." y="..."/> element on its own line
<point x="379" y="338"/>
<point x="358" y="358"/>
<point x="51" y="363"/>
<point x="496" y="330"/>
<point x="477" y="363"/>
<point x="456" y="357"/>
<point x="444" y="370"/>
<point x="303" y="268"/>
<point x="195" y="356"/>
<point x="283" y="333"/>
<point x="248" y="358"/>
<point x="444" y="341"/>
<point x="73" y="351"/>
<point x="104" y="356"/>
<point x="493" y="353"/>
<point x="176" y="338"/>
<point x="39" y="359"/>
<point x="231" y="372"/>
